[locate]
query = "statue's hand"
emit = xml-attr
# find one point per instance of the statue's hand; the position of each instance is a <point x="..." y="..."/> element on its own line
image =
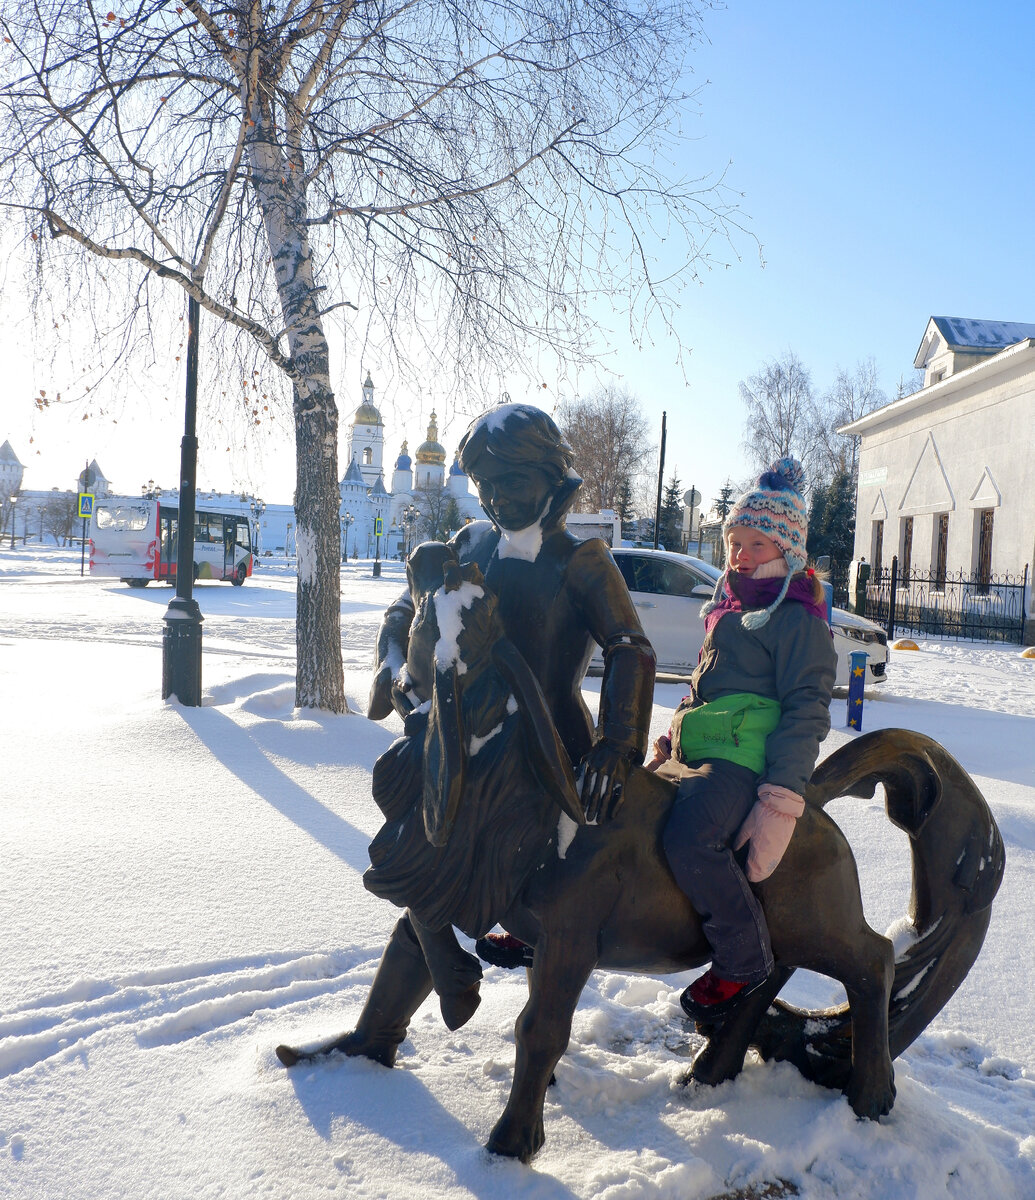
<point x="388" y="692"/>
<point x="602" y="777"/>
<point x="403" y="698"/>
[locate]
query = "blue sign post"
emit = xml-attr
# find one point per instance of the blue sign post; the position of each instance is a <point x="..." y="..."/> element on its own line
<point x="86" y="500"/>
<point x="856" y="683"/>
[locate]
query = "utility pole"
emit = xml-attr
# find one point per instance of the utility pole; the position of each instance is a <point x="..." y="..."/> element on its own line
<point x="661" y="473"/>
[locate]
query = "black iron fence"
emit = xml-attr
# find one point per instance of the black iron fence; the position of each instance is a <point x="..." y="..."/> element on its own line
<point x="953" y="605"/>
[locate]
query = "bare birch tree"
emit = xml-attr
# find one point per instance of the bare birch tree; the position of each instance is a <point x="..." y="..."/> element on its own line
<point x="782" y="414"/>
<point x="454" y="178"/>
<point x="851" y="396"/>
<point x="608" y="432"/>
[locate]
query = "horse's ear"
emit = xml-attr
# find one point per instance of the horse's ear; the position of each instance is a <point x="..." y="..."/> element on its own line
<point x="546" y="752"/>
<point x="443" y="759"/>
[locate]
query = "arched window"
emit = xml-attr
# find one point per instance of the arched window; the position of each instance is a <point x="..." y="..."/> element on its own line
<point x="368" y="457"/>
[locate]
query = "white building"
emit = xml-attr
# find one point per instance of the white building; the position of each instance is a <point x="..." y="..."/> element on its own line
<point x="946" y="475"/>
<point x="365" y="499"/>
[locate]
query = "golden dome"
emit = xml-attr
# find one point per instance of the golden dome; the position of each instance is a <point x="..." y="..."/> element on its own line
<point x="367" y="414"/>
<point x="431" y="452"/>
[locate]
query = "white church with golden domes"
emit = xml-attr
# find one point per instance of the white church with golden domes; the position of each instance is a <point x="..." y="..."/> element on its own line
<point x="417" y="484"/>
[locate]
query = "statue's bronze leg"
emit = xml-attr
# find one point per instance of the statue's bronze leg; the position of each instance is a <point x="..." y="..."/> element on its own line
<point x="868" y="977"/>
<point x="728" y="1042"/>
<point x="563" y="962"/>
<point x="400" y="987"/>
<point x="455" y="974"/>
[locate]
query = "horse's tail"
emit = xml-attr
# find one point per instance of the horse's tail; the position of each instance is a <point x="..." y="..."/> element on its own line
<point x="958" y="860"/>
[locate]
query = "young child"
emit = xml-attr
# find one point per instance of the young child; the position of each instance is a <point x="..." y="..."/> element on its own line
<point x="746" y="739"/>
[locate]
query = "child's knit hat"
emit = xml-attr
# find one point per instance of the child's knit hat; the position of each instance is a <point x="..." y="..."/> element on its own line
<point x="775" y="507"/>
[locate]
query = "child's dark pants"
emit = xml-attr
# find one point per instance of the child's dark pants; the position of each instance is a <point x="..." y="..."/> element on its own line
<point x="709" y="808"/>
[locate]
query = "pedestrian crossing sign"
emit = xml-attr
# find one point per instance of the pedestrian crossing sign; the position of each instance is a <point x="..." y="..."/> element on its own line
<point x="86" y="504"/>
<point x="379" y="526"/>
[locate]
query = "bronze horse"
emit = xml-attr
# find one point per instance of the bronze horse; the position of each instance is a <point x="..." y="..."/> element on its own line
<point x="608" y="900"/>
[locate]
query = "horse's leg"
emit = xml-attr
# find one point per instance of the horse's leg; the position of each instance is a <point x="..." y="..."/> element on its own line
<point x="563" y="962"/>
<point x="456" y="975"/>
<point x="723" y="1057"/>
<point x="400" y="987"/>
<point x="868" y="973"/>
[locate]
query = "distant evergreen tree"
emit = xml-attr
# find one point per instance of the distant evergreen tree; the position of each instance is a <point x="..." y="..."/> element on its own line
<point x="452" y="519"/>
<point x="725" y="500"/>
<point x="623" y="502"/>
<point x="670" y="533"/>
<point x="723" y="503"/>
<point x="817" y="522"/>
<point x="832" y="520"/>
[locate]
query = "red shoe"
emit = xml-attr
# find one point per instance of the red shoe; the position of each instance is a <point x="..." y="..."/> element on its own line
<point x="711" y="996"/>
<point x="503" y="950"/>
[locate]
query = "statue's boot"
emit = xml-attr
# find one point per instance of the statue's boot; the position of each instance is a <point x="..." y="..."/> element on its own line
<point x="400" y="987"/>
<point x="455" y="973"/>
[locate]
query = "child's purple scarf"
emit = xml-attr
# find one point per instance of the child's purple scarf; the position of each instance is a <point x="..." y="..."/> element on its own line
<point x="747" y="593"/>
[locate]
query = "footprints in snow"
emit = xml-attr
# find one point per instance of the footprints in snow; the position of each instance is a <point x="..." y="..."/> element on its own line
<point x="167" y="1005"/>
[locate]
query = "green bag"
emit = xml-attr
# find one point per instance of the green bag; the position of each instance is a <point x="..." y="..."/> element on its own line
<point x="734" y="727"/>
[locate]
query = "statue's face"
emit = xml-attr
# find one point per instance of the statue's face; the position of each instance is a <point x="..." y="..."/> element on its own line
<point x="513" y="494"/>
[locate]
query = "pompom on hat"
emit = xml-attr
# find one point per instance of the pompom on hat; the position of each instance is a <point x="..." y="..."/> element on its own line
<point x="775" y="506"/>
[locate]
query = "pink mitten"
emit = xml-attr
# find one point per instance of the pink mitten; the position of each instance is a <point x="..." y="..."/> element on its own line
<point x="768" y="827"/>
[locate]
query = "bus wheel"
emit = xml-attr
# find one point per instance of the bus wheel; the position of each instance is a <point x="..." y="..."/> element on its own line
<point x="136" y="583"/>
<point x="240" y="574"/>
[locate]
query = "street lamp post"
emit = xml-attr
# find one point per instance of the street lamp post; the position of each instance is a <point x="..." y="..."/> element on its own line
<point x="346" y="520"/>
<point x="13" y="500"/>
<point x="410" y="517"/>
<point x="258" y="507"/>
<point x="181" y="641"/>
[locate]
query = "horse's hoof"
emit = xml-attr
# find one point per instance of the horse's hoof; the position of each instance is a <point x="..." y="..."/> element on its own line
<point x="871" y="1105"/>
<point x="458" y="1010"/>
<point x="711" y="1067"/>
<point x="512" y="1141"/>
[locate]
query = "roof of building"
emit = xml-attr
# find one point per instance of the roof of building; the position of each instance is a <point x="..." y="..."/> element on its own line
<point x="379" y="487"/>
<point x="7" y="454"/>
<point x="1018" y="356"/>
<point x="354" y="474"/>
<point x="456" y="468"/>
<point x="966" y="333"/>
<point x="403" y="463"/>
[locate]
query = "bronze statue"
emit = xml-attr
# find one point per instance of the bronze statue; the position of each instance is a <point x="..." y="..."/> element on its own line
<point x="492" y="731"/>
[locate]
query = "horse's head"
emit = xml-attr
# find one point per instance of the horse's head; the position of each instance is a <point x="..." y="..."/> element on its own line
<point x="455" y="621"/>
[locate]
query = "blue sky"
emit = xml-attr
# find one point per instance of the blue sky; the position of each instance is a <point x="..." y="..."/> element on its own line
<point x="884" y="155"/>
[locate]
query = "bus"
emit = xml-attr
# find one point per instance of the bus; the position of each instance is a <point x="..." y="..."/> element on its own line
<point x="135" y="541"/>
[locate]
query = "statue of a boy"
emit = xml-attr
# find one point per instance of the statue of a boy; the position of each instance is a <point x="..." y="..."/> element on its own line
<point x="558" y="597"/>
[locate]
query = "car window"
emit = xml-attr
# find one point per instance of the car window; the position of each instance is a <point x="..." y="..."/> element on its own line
<point x="627" y="565"/>
<point x="651" y="576"/>
<point x="677" y="580"/>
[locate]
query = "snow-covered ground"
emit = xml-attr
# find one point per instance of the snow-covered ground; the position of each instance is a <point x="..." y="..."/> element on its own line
<point x="180" y="891"/>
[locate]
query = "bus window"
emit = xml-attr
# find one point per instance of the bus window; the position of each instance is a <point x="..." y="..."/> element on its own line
<point x="244" y="535"/>
<point x="121" y="517"/>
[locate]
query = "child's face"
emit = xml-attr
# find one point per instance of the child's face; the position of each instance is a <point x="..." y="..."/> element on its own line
<point x="748" y="548"/>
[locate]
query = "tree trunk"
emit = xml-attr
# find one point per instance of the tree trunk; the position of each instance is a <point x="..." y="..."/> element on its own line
<point x="319" y="678"/>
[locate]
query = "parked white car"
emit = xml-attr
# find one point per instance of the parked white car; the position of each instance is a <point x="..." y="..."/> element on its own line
<point x="668" y="591"/>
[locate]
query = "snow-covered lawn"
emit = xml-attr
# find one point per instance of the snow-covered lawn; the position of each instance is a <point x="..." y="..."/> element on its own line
<point x="180" y="891"/>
